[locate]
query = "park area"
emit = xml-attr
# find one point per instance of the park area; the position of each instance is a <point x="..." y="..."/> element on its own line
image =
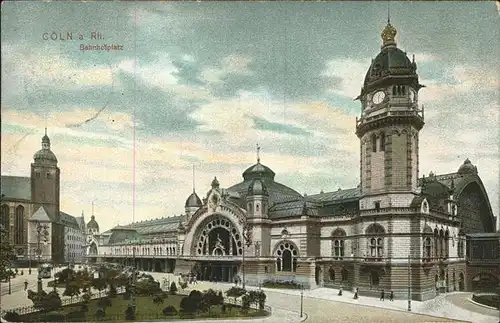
<point x="110" y="296"/>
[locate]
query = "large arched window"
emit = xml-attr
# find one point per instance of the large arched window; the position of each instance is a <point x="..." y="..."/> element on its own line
<point x="461" y="245"/>
<point x="19" y="225"/>
<point x="5" y="220"/>
<point x="375" y="235"/>
<point x="286" y="256"/>
<point x="441" y="243"/>
<point x="374" y="143"/>
<point x="338" y="243"/>
<point x="382" y="142"/>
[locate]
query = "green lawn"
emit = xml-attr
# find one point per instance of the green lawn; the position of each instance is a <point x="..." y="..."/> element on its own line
<point x="146" y="310"/>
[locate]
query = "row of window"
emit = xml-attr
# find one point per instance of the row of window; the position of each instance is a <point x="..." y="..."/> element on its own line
<point x="144" y="251"/>
<point x="47" y="175"/>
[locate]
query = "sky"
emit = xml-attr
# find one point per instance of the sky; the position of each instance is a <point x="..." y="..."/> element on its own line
<point x="201" y="84"/>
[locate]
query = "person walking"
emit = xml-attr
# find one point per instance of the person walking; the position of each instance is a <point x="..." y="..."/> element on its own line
<point x="382" y="295"/>
<point x="391" y="296"/>
<point x="340" y="291"/>
<point x="356" y="293"/>
<point x="25" y="284"/>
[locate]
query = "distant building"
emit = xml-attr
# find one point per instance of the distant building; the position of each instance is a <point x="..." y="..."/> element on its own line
<point x="368" y="237"/>
<point x="32" y="202"/>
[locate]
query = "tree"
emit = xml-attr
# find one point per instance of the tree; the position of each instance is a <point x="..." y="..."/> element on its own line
<point x="99" y="284"/>
<point x="100" y="313"/>
<point x="72" y="289"/>
<point x="158" y="299"/>
<point x="6" y="254"/>
<point x="173" y="288"/>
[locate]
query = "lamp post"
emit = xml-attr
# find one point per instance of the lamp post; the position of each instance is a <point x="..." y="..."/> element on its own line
<point x="301" y="300"/>
<point x="41" y="230"/>
<point x="132" y="285"/>
<point x="246" y="243"/>
<point x="409" y="284"/>
<point x="10" y="274"/>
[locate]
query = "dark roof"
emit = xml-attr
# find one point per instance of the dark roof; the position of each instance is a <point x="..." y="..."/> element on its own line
<point x="122" y="234"/>
<point x="45" y="154"/>
<point x="467" y="168"/>
<point x="16" y="187"/>
<point x="93" y="223"/>
<point x="258" y="171"/>
<point x="277" y="192"/>
<point x="390" y="60"/>
<point x="193" y="200"/>
<point x="155" y="226"/>
<point x="338" y="196"/>
<point x="293" y="209"/>
<point x="69" y="220"/>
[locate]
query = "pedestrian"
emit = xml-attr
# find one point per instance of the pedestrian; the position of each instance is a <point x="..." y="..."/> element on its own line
<point x="340" y="291"/>
<point x="25" y="284"/>
<point x="382" y="295"/>
<point x="391" y="296"/>
<point x="356" y="293"/>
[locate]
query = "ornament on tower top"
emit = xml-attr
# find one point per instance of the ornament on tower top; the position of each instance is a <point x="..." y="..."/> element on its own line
<point x="389" y="34"/>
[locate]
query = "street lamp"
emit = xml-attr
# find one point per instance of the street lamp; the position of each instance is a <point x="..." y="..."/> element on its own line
<point x="41" y="230"/>
<point x="247" y="232"/>
<point x="10" y="274"/>
<point x="409" y="284"/>
<point x="132" y="285"/>
<point x="301" y="300"/>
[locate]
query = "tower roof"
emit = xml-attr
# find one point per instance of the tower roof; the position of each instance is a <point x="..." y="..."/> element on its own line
<point x="45" y="154"/>
<point x="193" y="200"/>
<point x="93" y="223"/>
<point x="257" y="187"/>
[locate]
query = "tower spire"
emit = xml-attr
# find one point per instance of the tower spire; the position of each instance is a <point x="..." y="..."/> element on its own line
<point x="258" y="153"/>
<point x="93" y="210"/>
<point x="388" y="13"/>
<point x="193" y="180"/>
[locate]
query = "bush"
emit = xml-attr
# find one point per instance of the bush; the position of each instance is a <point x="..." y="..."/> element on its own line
<point x="236" y="292"/>
<point x="173" y="288"/>
<point x="112" y="291"/>
<point x="99" y="313"/>
<point x="223" y="308"/>
<point x="84" y="308"/>
<point x="74" y="316"/>
<point x="170" y="310"/>
<point x="147" y="287"/>
<point x="12" y="317"/>
<point x="129" y="313"/>
<point x="104" y="302"/>
<point x="53" y="317"/>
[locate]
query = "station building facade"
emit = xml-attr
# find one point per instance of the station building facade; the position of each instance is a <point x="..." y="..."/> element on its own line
<point x="396" y="229"/>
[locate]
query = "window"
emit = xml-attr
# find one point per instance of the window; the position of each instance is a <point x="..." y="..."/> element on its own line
<point x="427" y="248"/>
<point x="19" y="225"/>
<point x="48" y="175"/>
<point x="286" y="257"/>
<point x="394" y="90"/>
<point x="256" y="207"/>
<point x="374" y="143"/>
<point x="338" y="244"/>
<point x="375" y="241"/>
<point x="377" y="206"/>
<point x="446" y="242"/>
<point x="436" y="243"/>
<point x="345" y="275"/>
<point x="382" y="141"/>
<point x="37" y="174"/>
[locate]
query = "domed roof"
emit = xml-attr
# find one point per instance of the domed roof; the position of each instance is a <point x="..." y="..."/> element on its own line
<point x="277" y="192"/>
<point x="45" y="154"/>
<point x="93" y="223"/>
<point x="215" y="183"/>
<point x="258" y="171"/>
<point x="467" y="168"/>
<point x="391" y="61"/>
<point x="193" y="200"/>
<point x="257" y="187"/>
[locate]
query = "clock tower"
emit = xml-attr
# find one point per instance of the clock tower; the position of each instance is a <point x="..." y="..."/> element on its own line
<point x="388" y="127"/>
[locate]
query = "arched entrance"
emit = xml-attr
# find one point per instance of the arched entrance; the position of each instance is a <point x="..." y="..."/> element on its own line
<point x="461" y="282"/>
<point x="219" y="243"/>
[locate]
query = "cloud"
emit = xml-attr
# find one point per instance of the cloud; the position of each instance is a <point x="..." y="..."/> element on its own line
<point x="350" y="74"/>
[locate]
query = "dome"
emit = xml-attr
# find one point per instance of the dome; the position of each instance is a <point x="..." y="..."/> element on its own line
<point x="258" y="171"/>
<point x="193" y="200"/>
<point x="277" y="192"/>
<point x="45" y="154"/>
<point x="257" y="187"/>
<point x="93" y="224"/>
<point x="467" y="168"/>
<point x="390" y="61"/>
<point x="215" y="183"/>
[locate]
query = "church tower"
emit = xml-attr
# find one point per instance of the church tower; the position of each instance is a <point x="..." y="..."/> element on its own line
<point x="45" y="187"/>
<point x="388" y="127"/>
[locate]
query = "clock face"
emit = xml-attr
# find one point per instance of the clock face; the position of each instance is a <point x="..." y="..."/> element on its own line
<point x="378" y="97"/>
